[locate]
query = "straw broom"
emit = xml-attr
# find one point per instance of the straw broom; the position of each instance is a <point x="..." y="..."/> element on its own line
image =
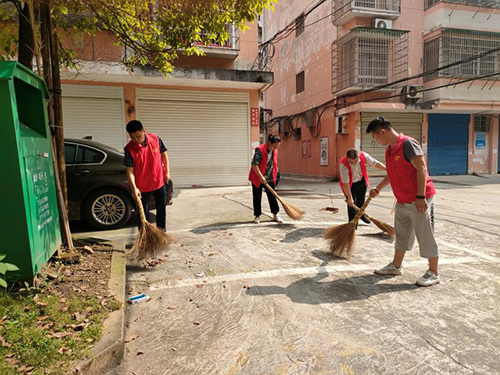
<point x="291" y="210"/>
<point x="151" y="240"/>
<point x="384" y="227"/>
<point x="341" y="237"/>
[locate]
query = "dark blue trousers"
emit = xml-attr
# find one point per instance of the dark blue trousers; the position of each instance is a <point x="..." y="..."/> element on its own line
<point x="160" y="197"/>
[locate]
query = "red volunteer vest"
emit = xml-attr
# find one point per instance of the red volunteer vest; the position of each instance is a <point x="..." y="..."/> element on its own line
<point x="148" y="167"/>
<point x="362" y="162"/>
<point x="253" y="177"/>
<point x="403" y="175"/>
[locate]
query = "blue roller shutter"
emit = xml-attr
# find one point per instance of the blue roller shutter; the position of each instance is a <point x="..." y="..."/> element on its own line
<point x="448" y="137"/>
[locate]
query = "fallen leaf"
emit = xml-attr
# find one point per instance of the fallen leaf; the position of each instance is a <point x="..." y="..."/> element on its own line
<point x="4" y="343"/>
<point x="77" y="327"/>
<point x="25" y="369"/>
<point x="77" y="316"/>
<point x="42" y="318"/>
<point x="196" y="323"/>
<point x="60" y="335"/>
<point x="62" y="350"/>
<point x="174" y="349"/>
<point x="170" y="308"/>
<point x="139" y="352"/>
<point x="199" y="285"/>
<point x="211" y="254"/>
<point x="131" y="338"/>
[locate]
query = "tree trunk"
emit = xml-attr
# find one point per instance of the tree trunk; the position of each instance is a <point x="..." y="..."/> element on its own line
<point x="26" y="38"/>
<point x="57" y="105"/>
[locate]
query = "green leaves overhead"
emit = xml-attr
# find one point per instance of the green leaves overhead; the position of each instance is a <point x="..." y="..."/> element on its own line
<point x="155" y="31"/>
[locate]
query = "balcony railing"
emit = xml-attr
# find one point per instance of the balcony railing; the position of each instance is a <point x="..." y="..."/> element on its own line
<point x="368" y="57"/>
<point x="475" y="3"/>
<point x="342" y="9"/>
<point x="227" y="49"/>
<point x="454" y="45"/>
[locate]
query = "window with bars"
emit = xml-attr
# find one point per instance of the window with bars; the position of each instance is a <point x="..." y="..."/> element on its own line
<point x="376" y="7"/>
<point x="299" y="25"/>
<point x="367" y="57"/>
<point x="476" y="3"/>
<point x="458" y="45"/>
<point x="481" y="124"/>
<point x="300" y="82"/>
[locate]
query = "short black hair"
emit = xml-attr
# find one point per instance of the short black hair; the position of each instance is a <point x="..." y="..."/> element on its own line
<point x="352" y="153"/>
<point x="134" y="125"/>
<point x="274" y="138"/>
<point x="378" y="123"/>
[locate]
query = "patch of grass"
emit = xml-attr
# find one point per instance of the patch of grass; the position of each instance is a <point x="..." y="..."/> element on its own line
<point x="48" y="332"/>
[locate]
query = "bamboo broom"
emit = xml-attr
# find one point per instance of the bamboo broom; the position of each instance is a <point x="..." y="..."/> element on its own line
<point x="291" y="210"/>
<point x="341" y="237"/>
<point x="384" y="227"/>
<point x="151" y="240"/>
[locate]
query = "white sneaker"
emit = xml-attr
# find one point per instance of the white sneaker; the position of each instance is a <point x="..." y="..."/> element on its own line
<point x="277" y="219"/>
<point x="256" y="220"/>
<point x="390" y="269"/>
<point x="428" y="279"/>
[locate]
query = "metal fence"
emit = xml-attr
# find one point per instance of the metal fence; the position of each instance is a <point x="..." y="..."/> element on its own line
<point x="233" y="43"/>
<point x="456" y="45"/>
<point x="341" y="7"/>
<point x="478" y="3"/>
<point x="368" y="57"/>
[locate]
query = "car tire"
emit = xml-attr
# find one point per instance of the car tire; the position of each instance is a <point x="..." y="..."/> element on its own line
<point x="107" y="208"/>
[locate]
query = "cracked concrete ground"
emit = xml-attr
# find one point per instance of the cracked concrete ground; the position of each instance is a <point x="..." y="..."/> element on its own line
<point x="273" y="301"/>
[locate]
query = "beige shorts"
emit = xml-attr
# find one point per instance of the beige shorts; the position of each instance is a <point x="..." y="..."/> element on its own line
<point x="409" y="224"/>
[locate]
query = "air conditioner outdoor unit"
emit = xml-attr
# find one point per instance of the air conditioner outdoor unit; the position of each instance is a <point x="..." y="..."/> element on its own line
<point x="379" y="23"/>
<point x="411" y="94"/>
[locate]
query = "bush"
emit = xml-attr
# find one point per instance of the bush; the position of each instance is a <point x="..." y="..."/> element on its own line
<point x="4" y="268"/>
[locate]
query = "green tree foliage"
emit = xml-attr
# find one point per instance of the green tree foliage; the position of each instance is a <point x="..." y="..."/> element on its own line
<point x="154" y="31"/>
<point x="4" y="268"/>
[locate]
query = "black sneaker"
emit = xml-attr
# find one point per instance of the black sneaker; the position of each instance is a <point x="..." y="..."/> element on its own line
<point x="365" y="219"/>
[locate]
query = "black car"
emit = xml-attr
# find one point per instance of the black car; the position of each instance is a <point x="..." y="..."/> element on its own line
<point x="98" y="189"/>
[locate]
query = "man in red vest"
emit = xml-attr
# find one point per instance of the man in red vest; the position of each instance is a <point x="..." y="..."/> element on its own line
<point x="265" y="169"/>
<point x="146" y="162"/>
<point x="414" y="191"/>
<point x="354" y="179"/>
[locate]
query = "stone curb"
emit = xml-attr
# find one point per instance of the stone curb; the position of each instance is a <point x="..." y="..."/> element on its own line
<point x="108" y="352"/>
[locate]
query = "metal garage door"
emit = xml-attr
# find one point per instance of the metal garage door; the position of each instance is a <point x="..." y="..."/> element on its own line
<point x="96" y="111"/>
<point x="448" y="137"/>
<point x="407" y="123"/>
<point x="207" y="134"/>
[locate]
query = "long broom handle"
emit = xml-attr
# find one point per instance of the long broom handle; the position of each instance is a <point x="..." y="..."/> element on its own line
<point x="273" y="192"/>
<point x="361" y="212"/>
<point x="357" y="209"/>
<point x="141" y="209"/>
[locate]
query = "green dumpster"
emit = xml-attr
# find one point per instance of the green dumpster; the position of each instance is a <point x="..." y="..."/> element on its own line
<point x="29" y="217"/>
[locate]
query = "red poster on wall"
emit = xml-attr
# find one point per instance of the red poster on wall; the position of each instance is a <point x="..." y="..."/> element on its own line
<point x="254" y="117"/>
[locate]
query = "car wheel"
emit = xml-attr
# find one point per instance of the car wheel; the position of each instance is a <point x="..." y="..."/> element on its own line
<point x="107" y="208"/>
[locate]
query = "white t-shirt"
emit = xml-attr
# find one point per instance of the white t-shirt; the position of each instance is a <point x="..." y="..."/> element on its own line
<point x="357" y="174"/>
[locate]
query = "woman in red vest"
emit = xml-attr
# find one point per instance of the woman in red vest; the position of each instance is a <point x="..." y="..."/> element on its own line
<point x="414" y="191"/>
<point x="265" y="168"/>
<point x="146" y="162"/>
<point x="354" y="179"/>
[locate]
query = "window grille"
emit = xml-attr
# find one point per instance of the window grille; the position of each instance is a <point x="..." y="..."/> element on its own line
<point x="456" y="45"/>
<point x="368" y="57"/>
<point x="481" y="124"/>
<point x="299" y="25"/>
<point x="377" y="7"/>
<point x="476" y="3"/>
<point x="300" y="82"/>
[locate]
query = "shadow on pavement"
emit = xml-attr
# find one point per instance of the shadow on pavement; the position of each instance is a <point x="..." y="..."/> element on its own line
<point x="228" y="225"/>
<point x="314" y="291"/>
<point x="299" y="234"/>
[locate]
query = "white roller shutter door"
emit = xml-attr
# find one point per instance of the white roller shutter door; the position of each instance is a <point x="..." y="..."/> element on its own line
<point x="406" y="123"/>
<point x="96" y="111"/>
<point x="207" y="134"/>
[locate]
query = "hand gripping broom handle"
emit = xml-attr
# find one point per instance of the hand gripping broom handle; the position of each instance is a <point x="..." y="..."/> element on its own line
<point x="141" y="209"/>
<point x="361" y="211"/>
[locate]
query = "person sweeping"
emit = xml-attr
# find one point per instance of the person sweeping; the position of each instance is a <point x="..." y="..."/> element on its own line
<point x="147" y="167"/>
<point x="263" y="173"/>
<point x="414" y="190"/>
<point x="354" y="179"/>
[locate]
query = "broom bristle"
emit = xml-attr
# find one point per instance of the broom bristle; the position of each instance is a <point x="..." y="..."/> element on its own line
<point x="341" y="239"/>
<point x="389" y="229"/>
<point x="150" y="242"/>
<point x="293" y="211"/>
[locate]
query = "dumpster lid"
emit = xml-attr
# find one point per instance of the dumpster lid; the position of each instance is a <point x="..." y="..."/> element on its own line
<point x="13" y="69"/>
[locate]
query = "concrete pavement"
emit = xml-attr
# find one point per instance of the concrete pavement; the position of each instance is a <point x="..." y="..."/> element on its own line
<point x="272" y="300"/>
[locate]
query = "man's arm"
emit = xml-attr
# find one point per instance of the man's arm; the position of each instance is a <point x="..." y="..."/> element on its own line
<point x="419" y="163"/>
<point x="382" y="184"/>
<point x="166" y="166"/>
<point x="131" y="180"/>
<point x="380" y="166"/>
